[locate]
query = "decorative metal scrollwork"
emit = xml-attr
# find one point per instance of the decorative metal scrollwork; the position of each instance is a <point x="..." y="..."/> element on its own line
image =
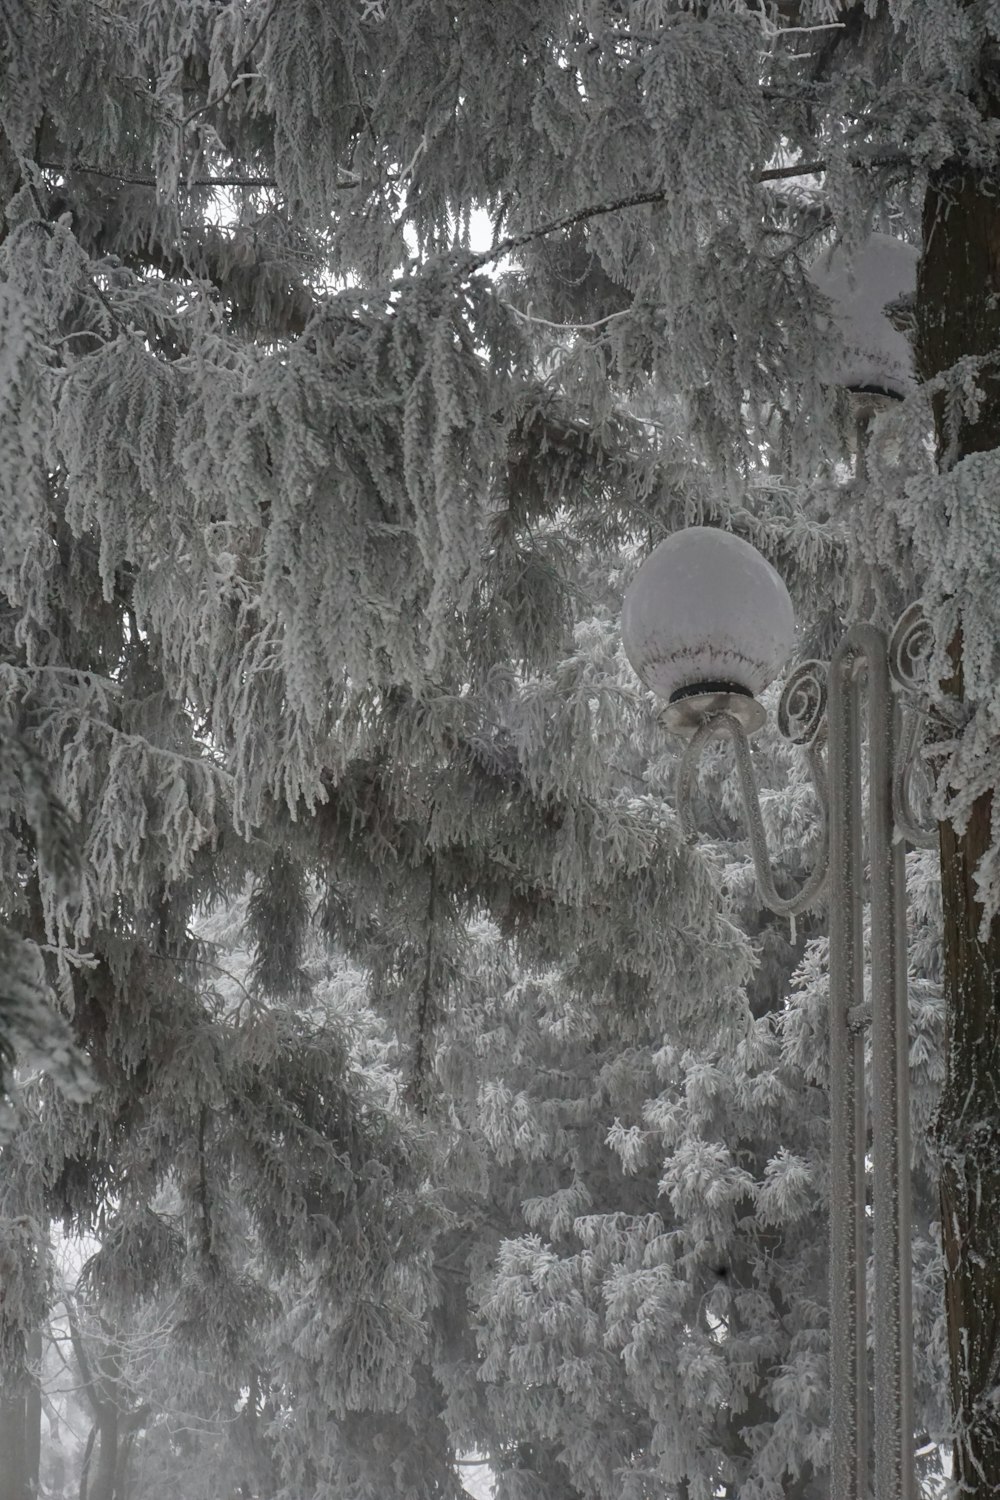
<point x="802" y="710"/>
<point x="910" y="647"/>
<point x="911" y="767"/>
<point x="802" y="715"/>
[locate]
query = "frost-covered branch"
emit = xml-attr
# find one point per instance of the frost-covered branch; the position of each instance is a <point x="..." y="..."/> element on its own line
<point x="513" y="242"/>
<point x="237" y="73"/>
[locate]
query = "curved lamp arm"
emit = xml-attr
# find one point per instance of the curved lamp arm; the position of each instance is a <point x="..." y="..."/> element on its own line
<point x="727" y="724"/>
<point x="802" y="720"/>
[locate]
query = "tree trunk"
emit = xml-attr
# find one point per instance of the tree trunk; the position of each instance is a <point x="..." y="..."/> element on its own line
<point x="958" y="315"/>
<point x="102" y="1486"/>
<point x="88" y="1455"/>
<point x="33" y="1415"/>
<point x="122" y="1467"/>
<point x="21" y="1430"/>
<point x="13" y="1448"/>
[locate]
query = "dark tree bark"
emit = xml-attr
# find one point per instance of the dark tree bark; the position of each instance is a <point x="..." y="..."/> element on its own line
<point x="97" y="1482"/>
<point x="102" y="1486"/>
<point x="14" y="1484"/>
<point x="958" y="315"/>
<point x="33" y="1415"/>
<point x="21" y="1430"/>
<point x="88" y="1455"/>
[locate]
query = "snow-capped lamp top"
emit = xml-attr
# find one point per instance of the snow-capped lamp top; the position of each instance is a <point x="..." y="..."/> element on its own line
<point x="866" y="353"/>
<point x="707" y="623"/>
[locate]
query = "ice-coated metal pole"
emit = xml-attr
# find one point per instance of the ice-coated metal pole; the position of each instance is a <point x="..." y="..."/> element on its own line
<point x="848" y="1354"/>
<point x="863" y="653"/>
<point x="894" y="1477"/>
<point x="865" y="647"/>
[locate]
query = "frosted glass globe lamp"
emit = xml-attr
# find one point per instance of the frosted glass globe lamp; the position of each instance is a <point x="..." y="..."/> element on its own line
<point x="707" y="624"/>
<point x="863" y="351"/>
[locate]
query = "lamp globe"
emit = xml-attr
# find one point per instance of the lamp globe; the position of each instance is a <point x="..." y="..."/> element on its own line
<point x="863" y="350"/>
<point x="707" y="624"/>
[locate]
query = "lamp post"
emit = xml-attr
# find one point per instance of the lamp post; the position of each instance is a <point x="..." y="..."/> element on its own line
<point x="707" y="624"/>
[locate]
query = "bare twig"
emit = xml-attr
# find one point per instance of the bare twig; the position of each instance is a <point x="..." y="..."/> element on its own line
<point x="626" y="312"/>
<point x="207" y="963"/>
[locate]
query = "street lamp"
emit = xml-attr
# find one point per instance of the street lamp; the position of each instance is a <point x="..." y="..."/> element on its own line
<point x="863" y="349"/>
<point x="707" y="624"/>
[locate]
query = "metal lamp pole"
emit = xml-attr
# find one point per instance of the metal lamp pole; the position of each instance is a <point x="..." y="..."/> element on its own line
<point x="817" y="697"/>
<point x="706" y="623"/>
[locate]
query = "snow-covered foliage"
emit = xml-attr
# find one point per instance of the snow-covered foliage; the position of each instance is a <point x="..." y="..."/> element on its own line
<point x="448" y="1101"/>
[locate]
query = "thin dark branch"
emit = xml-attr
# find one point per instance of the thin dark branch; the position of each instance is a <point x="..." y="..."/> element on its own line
<point x="142" y="181"/>
<point x="661" y="195"/>
<point x="205" y="963"/>
<point x="592" y="211"/>
<point x="798" y="169"/>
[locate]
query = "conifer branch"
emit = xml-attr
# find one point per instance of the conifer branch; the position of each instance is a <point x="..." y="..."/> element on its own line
<point x="511" y="242"/>
<point x="203" y="1194"/>
<point x="424" y="1003"/>
<point x="639" y="200"/>
<point x="582" y="215"/>
<point x="269" y="15"/>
